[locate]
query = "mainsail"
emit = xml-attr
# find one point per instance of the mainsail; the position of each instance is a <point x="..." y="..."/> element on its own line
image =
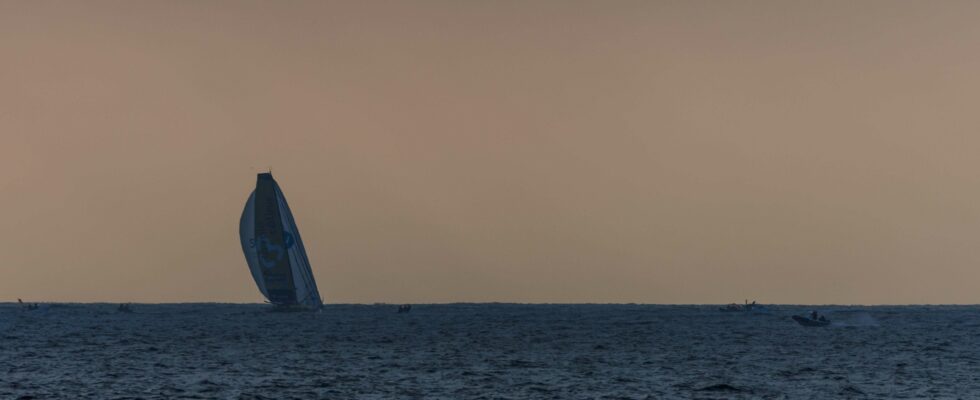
<point x="274" y="250"/>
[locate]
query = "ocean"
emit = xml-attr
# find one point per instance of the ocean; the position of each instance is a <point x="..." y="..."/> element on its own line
<point x="486" y="351"/>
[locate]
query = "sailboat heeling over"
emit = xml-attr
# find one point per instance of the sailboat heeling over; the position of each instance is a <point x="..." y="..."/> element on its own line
<point x="273" y="248"/>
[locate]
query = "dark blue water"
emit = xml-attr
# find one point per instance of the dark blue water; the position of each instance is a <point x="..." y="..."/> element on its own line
<point x="486" y="351"/>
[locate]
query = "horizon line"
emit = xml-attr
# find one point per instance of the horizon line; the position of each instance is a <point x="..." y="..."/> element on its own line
<point x="500" y="303"/>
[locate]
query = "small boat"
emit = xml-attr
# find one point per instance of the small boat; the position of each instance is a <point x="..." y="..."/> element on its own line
<point x="731" y="308"/>
<point x="806" y="321"/>
<point x="27" y="306"/>
<point x="748" y="307"/>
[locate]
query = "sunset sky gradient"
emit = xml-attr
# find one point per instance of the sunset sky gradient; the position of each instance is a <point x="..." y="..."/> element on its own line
<point x="514" y="151"/>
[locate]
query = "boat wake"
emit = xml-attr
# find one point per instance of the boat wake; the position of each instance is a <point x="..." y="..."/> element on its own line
<point x="857" y="319"/>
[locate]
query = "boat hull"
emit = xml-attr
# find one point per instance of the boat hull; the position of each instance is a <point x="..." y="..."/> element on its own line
<point x="810" y="322"/>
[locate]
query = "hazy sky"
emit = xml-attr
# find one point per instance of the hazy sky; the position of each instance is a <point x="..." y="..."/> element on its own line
<point x="525" y="151"/>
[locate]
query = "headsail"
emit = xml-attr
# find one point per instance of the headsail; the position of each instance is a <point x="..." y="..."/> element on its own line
<point x="273" y="248"/>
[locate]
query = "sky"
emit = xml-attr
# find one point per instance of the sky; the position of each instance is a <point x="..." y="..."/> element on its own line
<point x="475" y="151"/>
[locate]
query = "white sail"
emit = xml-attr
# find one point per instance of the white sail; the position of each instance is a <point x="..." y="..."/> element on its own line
<point x="273" y="248"/>
<point x="306" y="291"/>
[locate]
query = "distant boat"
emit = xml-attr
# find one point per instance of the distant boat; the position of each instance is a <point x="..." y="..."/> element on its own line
<point x="806" y="321"/>
<point x="274" y="251"/>
<point x="27" y="306"/>
<point x="748" y="307"/>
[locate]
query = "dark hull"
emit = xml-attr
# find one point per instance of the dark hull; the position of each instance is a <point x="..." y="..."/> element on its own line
<point x="809" y="322"/>
<point x="756" y="309"/>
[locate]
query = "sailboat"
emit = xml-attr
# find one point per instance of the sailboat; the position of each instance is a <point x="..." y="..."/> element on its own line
<point x="274" y="251"/>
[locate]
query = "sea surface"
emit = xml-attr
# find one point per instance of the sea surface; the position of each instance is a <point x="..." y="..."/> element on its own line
<point x="486" y="351"/>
